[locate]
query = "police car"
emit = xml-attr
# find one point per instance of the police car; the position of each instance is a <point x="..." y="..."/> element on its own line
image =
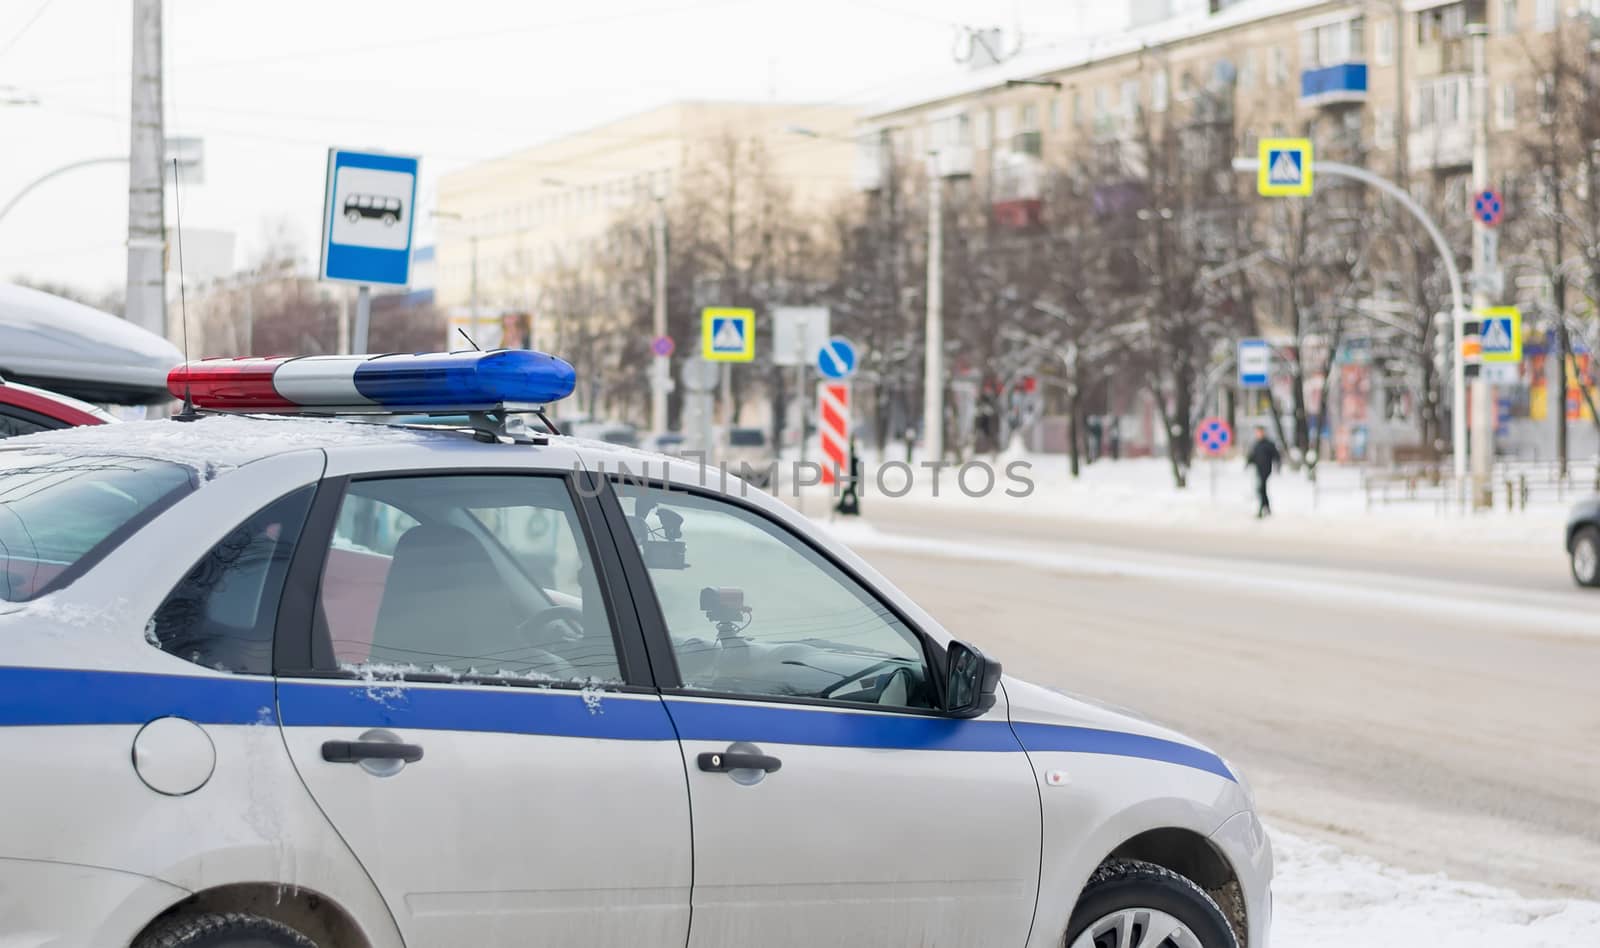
<point x="274" y="681"/>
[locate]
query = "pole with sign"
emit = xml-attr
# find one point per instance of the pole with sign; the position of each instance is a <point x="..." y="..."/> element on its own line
<point x="369" y="206"/>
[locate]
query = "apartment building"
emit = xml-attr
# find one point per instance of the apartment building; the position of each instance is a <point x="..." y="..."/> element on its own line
<point x="1383" y="83"/>
<point x="506" y="223"/>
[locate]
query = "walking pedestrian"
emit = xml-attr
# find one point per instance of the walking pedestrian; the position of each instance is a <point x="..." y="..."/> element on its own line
<point x="1264" y="457"/>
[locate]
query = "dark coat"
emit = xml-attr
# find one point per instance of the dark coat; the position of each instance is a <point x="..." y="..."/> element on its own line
<point x="1264" y="457"/>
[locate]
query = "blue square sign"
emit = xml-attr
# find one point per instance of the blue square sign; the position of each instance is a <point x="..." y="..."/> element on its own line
<point x="369" y="207"/>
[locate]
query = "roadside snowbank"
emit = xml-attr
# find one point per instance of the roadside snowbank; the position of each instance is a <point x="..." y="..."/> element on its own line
<point x="1327" y="898"/>
<point x="1220" y="496"/>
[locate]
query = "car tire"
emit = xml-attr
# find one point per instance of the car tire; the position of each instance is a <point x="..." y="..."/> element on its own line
<point x="222" y="930"/>
<point x="1586" y="557"/>
<point x="1128" y="892"/>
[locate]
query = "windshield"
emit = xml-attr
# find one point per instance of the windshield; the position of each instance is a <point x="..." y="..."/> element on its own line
<point x="59" y="515"/>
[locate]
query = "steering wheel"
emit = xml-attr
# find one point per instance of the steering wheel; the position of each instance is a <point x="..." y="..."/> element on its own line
<point x="551" y="615"/>
<point x="857" y="676"/>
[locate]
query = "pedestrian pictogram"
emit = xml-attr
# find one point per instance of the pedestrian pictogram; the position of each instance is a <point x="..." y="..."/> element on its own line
<point x="1500" y="334"/>
<point x="662" y="346"/>
<point x="1214" y="436"/>
<point x="837" y="359"/>
<point x="1488" y="209"/>
<point x="1285" y="167"/>
<point x="833" y="428"/>
<point x="728" y="334"/>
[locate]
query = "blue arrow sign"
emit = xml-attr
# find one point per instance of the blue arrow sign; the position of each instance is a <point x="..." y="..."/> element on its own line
<point x="837" y="359"/>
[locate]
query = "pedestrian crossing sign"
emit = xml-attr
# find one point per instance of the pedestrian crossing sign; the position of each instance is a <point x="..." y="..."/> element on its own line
<point x="728" y="334"/>
<point x="1500" y="334"/>
<point x="1285" y="167"/>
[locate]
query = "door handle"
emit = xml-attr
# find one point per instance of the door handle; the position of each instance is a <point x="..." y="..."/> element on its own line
<point x="719" y="762"/>
<point x="354" y="752"/>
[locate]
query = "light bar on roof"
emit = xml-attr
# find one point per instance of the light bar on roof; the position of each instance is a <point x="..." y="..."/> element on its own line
<point x="408" y="382"/>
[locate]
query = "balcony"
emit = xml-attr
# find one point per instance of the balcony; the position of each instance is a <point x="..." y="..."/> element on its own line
<point x="1440" y="147"/>
<point x="1345" y="83"/>
<point x="953" y="161"/>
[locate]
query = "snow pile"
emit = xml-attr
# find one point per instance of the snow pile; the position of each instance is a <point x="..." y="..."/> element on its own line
<point x="1326" y="898"/>
<point x="1220" y="495"/>
<point x="216" y="442"/>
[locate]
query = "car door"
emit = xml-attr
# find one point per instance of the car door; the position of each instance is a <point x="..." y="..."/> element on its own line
<point x="464" y="700"/>
<point x="832" y="804"/>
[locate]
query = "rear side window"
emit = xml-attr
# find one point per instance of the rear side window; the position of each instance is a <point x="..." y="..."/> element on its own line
<point x="60" y="515"/>
<point x="223" y="614"/>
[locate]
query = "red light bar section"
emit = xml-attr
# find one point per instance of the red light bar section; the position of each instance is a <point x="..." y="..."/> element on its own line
<point x="229" y="384"/>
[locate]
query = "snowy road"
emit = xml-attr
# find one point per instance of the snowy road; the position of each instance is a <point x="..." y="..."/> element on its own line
<point x="1432" y="709"/>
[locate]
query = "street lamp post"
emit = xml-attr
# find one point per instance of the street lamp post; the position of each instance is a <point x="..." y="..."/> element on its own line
<point x="1458" y="418"/>
<point x="933" y="332"/>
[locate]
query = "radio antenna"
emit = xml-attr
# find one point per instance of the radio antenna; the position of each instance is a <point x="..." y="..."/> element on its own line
<point x="188" y="413"/>
<point x="468" y="338"/>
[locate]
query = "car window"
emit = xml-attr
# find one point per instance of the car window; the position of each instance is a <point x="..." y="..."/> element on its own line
<point x="487" y="577"/>
<point x="59" y="515"/>
<point x="747" y="438"/>
<point x="11" y="426"/>
<point x="752" y="609"/>
<point x="223" y="613"/>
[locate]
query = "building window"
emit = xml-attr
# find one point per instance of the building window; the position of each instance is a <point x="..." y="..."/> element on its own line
<point x="1279" y="65"/>
<point x="1441" y="23"/>
<point x="1158" y="92"/>
<point x="1385" y="44"/>
<point x="1102" y="103"/>
<point x="1247" y="70"/>
<point x="1332" y="44"/>
<point x="1003" y="126"/>
<point x="1544" y="15"/>
<point x="1506" y="113"/>
<point x="1055" y="114"/>
<point x="1383" y="128"/>
<point x="1508" y="16"/>
<point x="1129" y="103"/>
<point x="1077" y="108"/>
<point x="1547" y="101"/>
<point x="1029" y="118"/>
<point x="985" y="118"/>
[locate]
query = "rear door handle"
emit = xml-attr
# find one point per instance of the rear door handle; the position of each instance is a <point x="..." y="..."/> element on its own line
<point x="354" y="752"/>
<point x="719" y="762"/>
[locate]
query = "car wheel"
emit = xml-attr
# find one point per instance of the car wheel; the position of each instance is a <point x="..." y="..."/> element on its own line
<point x="218" y="930"/>
<point x="1586" y="557"/>
<point x="1128" y="902"/>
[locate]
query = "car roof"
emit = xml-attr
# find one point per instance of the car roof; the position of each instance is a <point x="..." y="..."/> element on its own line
<point x="35" y="399"/>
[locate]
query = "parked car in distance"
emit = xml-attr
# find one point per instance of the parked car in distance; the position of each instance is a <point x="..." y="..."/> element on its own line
<point x="25" y="409"/>
<point x="1583" y="542"/>
<point x="748" y="454"/>
<point x="79" y="351"/>
<point x="611" y="432"/>
<point x="669" y="443"/>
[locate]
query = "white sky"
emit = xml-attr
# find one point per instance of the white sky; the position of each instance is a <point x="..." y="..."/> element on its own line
<point x="270" y="85"/>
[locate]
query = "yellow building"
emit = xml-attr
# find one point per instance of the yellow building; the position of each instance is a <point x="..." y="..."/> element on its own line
<point x="504" y="223"/>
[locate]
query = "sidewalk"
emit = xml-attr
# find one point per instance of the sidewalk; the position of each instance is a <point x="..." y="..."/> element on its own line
<point x="1220" y="498"/>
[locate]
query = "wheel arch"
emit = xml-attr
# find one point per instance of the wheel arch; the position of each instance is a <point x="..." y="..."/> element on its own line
<point x="1196" y="858"/>
<point x="318" y="917"/>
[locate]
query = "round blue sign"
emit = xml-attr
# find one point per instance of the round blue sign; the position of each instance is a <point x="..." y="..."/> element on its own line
<point x="1214" y="436"/>
<point x="837" y="359"/>
<point x="1488" y="209"/>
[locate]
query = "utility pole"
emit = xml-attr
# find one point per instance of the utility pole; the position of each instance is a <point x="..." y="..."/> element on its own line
<point x="661" y="374"/>
<point x="1483" y="408"/>
<point x="472" y="301"/>
<point x="147" y="230"/>
<point x="933" y="354"/>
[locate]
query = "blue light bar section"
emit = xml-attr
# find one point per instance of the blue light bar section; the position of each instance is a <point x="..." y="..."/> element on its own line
<point x="430" y="379"/>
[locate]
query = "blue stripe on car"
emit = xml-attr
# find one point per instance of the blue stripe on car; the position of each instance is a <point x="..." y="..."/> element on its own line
<point x="1088" y="740"/>
<point x="44" y="696"/>
<point x="58" y="696"/>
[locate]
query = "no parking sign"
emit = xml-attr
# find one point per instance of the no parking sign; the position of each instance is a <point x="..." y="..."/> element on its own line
<point x="1213" y="436"/>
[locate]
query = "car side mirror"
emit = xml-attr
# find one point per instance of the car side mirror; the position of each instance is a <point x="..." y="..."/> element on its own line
<point x="972" y="681"/>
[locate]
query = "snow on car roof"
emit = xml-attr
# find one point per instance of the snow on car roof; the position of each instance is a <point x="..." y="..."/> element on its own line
<point x="217" y="441"/>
